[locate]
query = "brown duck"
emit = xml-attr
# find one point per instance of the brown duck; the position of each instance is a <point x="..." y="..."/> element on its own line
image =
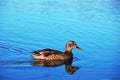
<point x="50" y="54"/>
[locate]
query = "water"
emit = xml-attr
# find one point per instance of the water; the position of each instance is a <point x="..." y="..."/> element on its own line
<point x="28" y="25"/>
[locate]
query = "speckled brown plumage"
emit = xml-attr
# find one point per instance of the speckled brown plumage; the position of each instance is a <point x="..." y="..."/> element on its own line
<point x="50" y="54"/>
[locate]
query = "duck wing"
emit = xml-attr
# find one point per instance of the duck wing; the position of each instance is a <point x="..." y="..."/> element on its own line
<point x="47" y="52"/>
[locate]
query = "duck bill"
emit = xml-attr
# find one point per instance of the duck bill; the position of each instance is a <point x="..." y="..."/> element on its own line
<point x="78" y="48"/>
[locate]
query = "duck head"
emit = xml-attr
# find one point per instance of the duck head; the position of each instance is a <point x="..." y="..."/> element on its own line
<point x="70" y="45"/>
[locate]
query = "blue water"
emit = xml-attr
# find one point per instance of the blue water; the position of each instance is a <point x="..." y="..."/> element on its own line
<point x="29" y="25"/>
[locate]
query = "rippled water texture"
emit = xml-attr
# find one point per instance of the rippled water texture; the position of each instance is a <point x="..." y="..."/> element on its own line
<point x="29" y="25"/>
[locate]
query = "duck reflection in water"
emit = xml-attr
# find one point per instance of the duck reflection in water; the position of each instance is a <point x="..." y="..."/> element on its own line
<point x="50" y="57"/>
<point x="54" y="63"/>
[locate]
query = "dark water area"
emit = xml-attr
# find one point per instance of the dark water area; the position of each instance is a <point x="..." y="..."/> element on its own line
<point x="29" y="25"/>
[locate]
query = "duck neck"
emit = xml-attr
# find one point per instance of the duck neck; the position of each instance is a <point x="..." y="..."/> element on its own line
<point x="69" y="54"/>
<point x="68" y="51"/>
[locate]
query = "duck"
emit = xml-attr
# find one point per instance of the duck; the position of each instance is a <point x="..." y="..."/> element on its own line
<point x="50" y="54"/>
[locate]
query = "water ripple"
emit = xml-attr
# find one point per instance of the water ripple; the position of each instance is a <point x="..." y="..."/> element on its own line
<point x="13" y="63"/>
<point x="13" y="49"/>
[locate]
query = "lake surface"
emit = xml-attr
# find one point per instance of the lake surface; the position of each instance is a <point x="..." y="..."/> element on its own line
<point x="29" y="25"/>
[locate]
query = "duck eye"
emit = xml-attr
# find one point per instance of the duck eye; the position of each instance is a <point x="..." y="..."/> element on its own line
<point x="74" y="43"/>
